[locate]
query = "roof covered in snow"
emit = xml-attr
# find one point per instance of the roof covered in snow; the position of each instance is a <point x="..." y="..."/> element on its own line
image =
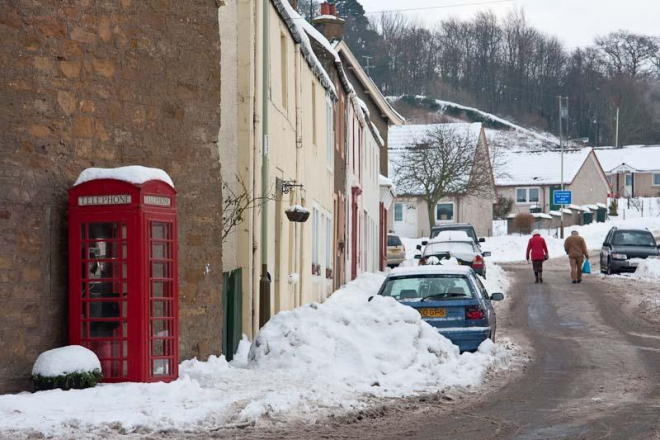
<point x="539" y="167"/>
<point x="405" y="136"/>
<point x="633" y="158"/>
<point x="134" y="174"/>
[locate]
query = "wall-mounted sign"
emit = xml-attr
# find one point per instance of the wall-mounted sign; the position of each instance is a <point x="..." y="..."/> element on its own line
<point x="117" y="199"/>
<point x="157" y="200"/>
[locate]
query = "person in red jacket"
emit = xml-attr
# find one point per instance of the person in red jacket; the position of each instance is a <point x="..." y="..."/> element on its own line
<point x="538" y="251"/>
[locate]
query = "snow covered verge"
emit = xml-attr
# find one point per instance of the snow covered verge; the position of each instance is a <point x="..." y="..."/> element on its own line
<point x="308" y="363"/>
<point x="510" y="248"/>
<point x="648" y="269"/>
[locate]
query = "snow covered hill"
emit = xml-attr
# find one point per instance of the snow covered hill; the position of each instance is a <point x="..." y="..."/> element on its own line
<point x="499" y="131"/>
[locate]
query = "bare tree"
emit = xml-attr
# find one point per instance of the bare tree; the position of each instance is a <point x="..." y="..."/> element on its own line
<point x="235" y="203"/>
<point x="627" y="53"/>
<point x="446" y="162"/>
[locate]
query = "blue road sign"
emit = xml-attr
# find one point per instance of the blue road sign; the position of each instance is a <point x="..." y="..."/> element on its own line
<point x="562" y="197"/>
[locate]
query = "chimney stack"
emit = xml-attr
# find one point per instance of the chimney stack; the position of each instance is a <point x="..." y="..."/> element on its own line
<point x="331" y="26"/>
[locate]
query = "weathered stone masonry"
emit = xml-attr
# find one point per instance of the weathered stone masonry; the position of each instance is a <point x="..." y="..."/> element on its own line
<point x="103" y="83"/>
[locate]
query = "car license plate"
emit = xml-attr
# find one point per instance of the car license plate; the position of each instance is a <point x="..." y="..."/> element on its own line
<point x="433" y="313"/>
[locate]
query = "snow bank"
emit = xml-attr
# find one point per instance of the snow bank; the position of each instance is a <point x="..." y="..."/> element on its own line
<point x="307" y="363"/>
<point x="135" y="174"/>
<point x="648" y="268"/>
<point x="510" y="248"/>
<point x="380" y="347"/>
<point x="66" y="360"/>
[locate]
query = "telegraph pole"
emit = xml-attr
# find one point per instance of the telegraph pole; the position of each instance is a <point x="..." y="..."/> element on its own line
<point x="563" y="113"/>
<point x="617" y="101"/>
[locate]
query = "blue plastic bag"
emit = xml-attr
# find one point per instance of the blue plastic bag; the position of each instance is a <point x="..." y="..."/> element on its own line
<point x="586" y="267"/>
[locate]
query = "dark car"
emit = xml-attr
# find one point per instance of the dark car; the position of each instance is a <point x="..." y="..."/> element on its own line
<point x="449" y="298"/>
<point x="622" y="248"/>
<point x="466" y="227"/>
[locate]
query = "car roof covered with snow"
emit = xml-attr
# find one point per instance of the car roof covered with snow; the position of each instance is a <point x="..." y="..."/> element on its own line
<point x="445" y="236"/>
<point x="430" y="270"/>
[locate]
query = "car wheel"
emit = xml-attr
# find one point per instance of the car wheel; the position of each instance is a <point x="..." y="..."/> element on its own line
<point x="609" y="267"/>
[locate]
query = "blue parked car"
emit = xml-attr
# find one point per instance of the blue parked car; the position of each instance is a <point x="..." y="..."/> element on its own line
<point x="449" y="298"/>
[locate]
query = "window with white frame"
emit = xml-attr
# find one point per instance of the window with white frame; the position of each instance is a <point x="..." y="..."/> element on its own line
<point x="315" y="240"/>
<point x="398" y="212"/>
<point x="284" y="69"/>
<point x="331" y="135"/>
<point x="444" y="212"/>
<point x="629" y="179"/>
<point x="527" y="195"/>
<point x="656" y="179"/>
<point x="328" y="247"/>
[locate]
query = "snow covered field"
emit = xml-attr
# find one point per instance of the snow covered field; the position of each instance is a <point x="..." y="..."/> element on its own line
<point x="308" y="363"/>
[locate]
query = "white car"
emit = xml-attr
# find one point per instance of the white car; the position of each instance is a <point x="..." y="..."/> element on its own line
<point x="459" y="245"/>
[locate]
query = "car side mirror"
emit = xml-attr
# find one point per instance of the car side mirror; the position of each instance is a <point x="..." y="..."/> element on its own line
<point x="418" y="256"/>
<point x="486" y="254"/>
<point x="482" y="240"/>
<point x="497" y="297"/>
<point x="425" y="242"/>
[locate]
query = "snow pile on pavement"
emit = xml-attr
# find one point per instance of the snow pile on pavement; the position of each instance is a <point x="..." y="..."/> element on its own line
<point x="135" y="174"/>
<point x="307" y="363"/>
<point x="66" y="360"/>
<point x="648" y="268"/>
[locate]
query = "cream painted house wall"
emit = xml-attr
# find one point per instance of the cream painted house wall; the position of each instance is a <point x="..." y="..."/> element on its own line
<point x="642" y="187"/>
<point x="297" y="152"/>
<point x="228" y="135"/>
<point x="363" y="167"/>
<point x="246" y="137"/>
<point x="589" y="187"/>
<point x="415" y="222"/>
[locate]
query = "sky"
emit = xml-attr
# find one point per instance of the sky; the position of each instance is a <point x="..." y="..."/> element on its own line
<point x="575" y="22"/>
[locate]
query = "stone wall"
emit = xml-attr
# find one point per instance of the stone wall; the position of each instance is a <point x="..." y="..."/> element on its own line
<point x="103" y="83"/>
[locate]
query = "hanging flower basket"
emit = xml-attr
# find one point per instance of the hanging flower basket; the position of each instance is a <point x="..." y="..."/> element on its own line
<point x="297" y="213"/>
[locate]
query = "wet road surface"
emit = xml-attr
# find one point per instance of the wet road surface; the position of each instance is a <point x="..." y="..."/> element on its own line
<point x="595" y="375"/>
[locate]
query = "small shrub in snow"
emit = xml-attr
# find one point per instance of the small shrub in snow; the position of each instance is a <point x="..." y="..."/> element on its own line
<point x="523" y="222"/>
<point x="614" y="208"/>
<point x="72" y="367"/>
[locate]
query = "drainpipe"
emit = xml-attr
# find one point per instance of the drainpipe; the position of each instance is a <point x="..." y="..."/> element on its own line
<point x="299" y="268"/>
<point x="264" y="282"/>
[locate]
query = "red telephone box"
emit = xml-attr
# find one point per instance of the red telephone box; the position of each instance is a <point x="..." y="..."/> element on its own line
<point x="123" y="284"/>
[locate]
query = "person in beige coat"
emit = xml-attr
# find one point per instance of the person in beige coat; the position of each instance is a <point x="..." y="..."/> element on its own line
<point x="576" y="248"/>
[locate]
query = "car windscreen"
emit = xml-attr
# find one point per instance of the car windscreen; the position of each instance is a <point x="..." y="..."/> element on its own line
<point x="633" y="238"/>
<point x="468" y="231"/>
<point x="393" y="240"/>
<point x="437" y="287"/>
<point x="449" y="246"/>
